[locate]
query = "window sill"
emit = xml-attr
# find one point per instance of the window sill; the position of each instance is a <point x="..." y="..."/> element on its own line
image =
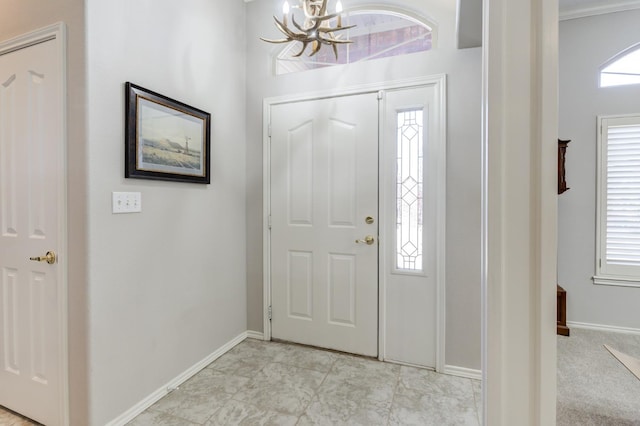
<point x="617" y="281"/>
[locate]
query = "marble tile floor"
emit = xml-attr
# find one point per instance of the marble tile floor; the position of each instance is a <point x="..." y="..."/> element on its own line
<point x="268" y="383"/>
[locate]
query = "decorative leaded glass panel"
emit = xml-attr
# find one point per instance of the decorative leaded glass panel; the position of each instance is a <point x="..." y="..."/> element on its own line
<point x="409" y="190"/>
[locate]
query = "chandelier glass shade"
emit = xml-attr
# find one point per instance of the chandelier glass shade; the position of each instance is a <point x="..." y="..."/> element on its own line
<point x="319" y="28"/>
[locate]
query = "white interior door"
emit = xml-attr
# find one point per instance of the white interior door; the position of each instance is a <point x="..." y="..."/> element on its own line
<point x="324" y="186"/>
<point x="30" y="174"/>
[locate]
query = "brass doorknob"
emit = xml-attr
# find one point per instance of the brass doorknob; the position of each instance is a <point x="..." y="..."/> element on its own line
<point x="368" y="240"/>
<point x="50" y="258"/>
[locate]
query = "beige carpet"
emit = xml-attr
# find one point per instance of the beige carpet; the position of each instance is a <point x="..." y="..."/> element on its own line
<point x="632" y="364"/>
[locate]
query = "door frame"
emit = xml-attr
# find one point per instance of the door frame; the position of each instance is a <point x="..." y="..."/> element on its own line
<point x="439" y="83"/>
<point x="57" y="32"/>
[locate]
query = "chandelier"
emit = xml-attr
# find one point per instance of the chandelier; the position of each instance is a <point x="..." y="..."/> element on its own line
<point x="315" y="30"/>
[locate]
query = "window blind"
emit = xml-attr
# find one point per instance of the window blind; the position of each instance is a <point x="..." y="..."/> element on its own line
<point x="623" y="195"/>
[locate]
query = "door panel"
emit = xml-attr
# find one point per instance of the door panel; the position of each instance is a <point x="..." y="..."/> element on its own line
<point x="30" y="149"/>
<point x="324" y="183"/>
<point x="410" y="184"/>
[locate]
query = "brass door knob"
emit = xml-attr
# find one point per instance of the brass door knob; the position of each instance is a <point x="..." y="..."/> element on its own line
<point x="368" y="240"/>
<point x="50" y="258"/>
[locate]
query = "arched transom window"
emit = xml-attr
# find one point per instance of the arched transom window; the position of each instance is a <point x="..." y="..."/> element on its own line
<point x="623" y="69"/>
<point x="378" y="34"/>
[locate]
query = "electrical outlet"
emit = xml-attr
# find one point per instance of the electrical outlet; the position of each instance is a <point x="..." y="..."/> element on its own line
<point x="127" y="202"/>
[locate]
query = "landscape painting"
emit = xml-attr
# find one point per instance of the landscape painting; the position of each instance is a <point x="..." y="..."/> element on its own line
<point x="166" y="139"/>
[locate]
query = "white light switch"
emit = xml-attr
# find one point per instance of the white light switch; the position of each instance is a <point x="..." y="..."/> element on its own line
<point x="127" y="202"/>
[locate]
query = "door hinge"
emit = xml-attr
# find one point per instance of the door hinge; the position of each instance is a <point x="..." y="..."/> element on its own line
<point x="380" y="94"/>
<point x="599" y="263"/>
<point x="269" y="221"/>
<point x="269" y="130"/>
<point x="269" y="312"/>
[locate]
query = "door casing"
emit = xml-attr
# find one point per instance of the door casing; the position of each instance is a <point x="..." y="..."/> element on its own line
<point x="439" y="83"/>
<point x="58" y="33"/>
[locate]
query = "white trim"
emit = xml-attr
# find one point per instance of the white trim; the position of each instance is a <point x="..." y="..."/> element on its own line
<point x="440" y="82"/>
<point x="57" y="32"/>
<point x="266" y="206"/>
<point x="255" y="335"/>
<point x="519" y="211"/>
<point x="408" y="364"/>
<point x="468" y="373"/>
<point x="610" y="7"/>
<point x="616" y="281"/>
<point x="352" y="90"/>
<point x="450" y="370"/>
<point x="382" y="237"/>
<point x="601" y="194"/>
<point x="609" y="273"/>
<point x="174" y="383"/>
<point x="441" y="219"/>
<point x="602" y="327"/>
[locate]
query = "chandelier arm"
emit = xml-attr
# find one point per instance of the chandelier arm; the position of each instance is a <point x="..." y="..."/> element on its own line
<point x="316" y="48"/>
<point x="329" y="41"/>
<point x="330" y="30"/>
<point x="304" y="47"/>
<point x="325" y="17"/>
<point x="282" y="40"/>
<point x="295" y="24"/>
<point x="290" y="34"/>
<point x="283" y="28"/>
<point x="323" y="8"/>
<point x="333" y="40"/>
<point x="306" y="8"/>
<point x="311" y="9"/>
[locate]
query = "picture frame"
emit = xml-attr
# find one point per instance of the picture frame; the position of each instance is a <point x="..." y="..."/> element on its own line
<point x="165" y="139"/>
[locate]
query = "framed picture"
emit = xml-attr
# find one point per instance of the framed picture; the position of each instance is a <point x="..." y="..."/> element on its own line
<point x="165" y="139"/>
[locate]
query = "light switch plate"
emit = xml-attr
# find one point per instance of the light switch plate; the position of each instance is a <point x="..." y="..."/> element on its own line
<point x="126" y="202"/>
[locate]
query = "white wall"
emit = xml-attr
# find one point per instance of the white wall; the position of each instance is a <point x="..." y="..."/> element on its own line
<point x="585" y="44"/>
<point x="167" y="287"/>
<point x="463" y="151"/>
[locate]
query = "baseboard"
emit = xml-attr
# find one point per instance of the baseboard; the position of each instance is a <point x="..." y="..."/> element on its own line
<point x="468" y="373"/>
<point x="154" y="397"/>
<point x="601" y="327"/>
<point x="255" y="335"/>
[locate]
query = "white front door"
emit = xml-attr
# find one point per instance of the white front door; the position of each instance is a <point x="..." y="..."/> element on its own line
<point x="324" y="187"/>
<point x="31" y="144"/>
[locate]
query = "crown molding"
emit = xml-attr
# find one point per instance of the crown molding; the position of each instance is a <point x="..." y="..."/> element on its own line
<point x="601" y="9"/>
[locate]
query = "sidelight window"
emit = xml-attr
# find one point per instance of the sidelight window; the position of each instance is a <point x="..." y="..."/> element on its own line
<point x="409" y="190"/>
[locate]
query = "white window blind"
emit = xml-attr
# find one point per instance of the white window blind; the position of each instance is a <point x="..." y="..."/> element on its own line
<point x="619" y="201"/>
